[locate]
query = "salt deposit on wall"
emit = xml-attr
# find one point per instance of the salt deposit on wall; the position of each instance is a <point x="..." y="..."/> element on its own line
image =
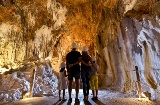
<point x="35" y="33"/>
<point x="138" y="45"/>
<point x="14" y="85"/>
<point x="129" y="4"/>
<point x="10" y="42"/>
<point x="44" y="32"/>
<point x="148" y="39"/>
<point x="45" y="81"/>
<point x="42" y="38"/>
<point x="58" y="12"/>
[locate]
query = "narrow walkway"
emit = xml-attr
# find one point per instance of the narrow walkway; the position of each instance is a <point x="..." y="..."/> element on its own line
<point x="105" y="98"/>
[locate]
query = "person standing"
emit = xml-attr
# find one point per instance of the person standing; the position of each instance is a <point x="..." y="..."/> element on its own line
<point x="73" y="59"/>
<point x="62" y="85"/>
<point x="94" y="79"/>
<point x="85" y="71"/>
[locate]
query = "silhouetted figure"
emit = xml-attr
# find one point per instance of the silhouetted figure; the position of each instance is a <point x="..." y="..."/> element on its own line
<point x="73" y="68"/>
<point x="94" y="79"/>
<point x="62" y="85"/>
<point x="85" y="72"/>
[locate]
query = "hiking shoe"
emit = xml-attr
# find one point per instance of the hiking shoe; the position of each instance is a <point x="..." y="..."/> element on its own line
<point x="70" y="100"/>
<point x="77" y="100"/>
<point x="85" y="98"/>
<point x="96" y="98"/>
<point x="93" y="98"/>
<point x="59" y="99"/>
<point x="64" y="99"/>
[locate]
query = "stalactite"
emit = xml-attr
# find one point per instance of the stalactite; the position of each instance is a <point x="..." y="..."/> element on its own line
<point x="112" y="68"/>
<point x="148" y="72"/>
<point x="50" y="26"/>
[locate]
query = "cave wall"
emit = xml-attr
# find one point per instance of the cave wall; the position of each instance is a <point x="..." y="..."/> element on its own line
<point x="122" y="43"/>
<point x="45" y="29"/>
<point x="135" y="44"/>
<point x="29" y="30"/>
<point x="122" y="34"/>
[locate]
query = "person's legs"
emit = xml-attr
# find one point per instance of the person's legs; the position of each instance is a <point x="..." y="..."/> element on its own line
<point x="63" y="94"/>
<point x="96" y="86"/>
<point x="92" y="83"/>
<point x="93" y="93"/>
<point x="70" y="88"/>
<point x="77" y="87"/>
<point x="87" y="83"/>
<point x="70" y="79"/>
<point x="96" y="93"/>
<point x="83" y="83"/>
<point x="59" y="95"/>
<point x="77" y="77"/>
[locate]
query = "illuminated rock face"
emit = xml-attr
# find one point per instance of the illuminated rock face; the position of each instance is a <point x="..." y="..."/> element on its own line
<point x="15" y="86"/>
<point x="122" y="34"/>
<point x="136" y="45"/>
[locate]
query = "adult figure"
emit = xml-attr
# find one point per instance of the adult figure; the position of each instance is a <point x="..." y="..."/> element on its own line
<point x="73" y="68"/>
<point x="85" y="71"/>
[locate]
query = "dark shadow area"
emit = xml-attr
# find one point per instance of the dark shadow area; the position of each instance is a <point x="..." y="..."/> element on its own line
<point x="77" y="103"/>
<point x="87" y="103"/>
<point x="69" y="103"/>
<point x="59" y="102"/>
<point x="98" y="102"/>
<point x="56" y="103"/>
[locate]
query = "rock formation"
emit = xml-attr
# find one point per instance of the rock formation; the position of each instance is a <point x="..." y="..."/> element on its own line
<point x="121" y="34"/>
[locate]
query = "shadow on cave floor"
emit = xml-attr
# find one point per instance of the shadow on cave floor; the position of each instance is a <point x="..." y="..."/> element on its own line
<point x="105" y="98"/>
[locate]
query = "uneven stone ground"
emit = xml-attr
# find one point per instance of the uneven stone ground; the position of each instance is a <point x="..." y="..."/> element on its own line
<point x="105" y="98"/>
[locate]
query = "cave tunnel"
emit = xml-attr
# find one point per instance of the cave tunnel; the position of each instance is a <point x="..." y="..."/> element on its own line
<point x="123" y="36"/>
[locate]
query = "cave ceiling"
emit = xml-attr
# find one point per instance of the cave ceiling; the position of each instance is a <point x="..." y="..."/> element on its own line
<point x="66" y="21"/>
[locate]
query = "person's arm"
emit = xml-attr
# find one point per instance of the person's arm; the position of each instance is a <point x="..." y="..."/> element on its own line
<point x="67" y="65"/>
<point x="97" y="67"/>
<point x="65" y="74"/>
<point x="93" y="63"/>
<point x="84" y="63"/>
<point x="79" y="60"/>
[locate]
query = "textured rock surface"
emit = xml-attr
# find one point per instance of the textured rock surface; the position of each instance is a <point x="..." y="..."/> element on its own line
<point x="122" y="34"/>
<point x="14" y="85"/>
<point x="105" y="98"/>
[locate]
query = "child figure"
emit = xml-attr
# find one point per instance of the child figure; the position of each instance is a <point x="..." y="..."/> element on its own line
<point x="62" y="85"/>
<point x="94" y="79"/>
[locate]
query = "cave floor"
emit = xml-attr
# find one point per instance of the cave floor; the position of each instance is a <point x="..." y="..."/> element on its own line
<point x="105" y="98"/>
